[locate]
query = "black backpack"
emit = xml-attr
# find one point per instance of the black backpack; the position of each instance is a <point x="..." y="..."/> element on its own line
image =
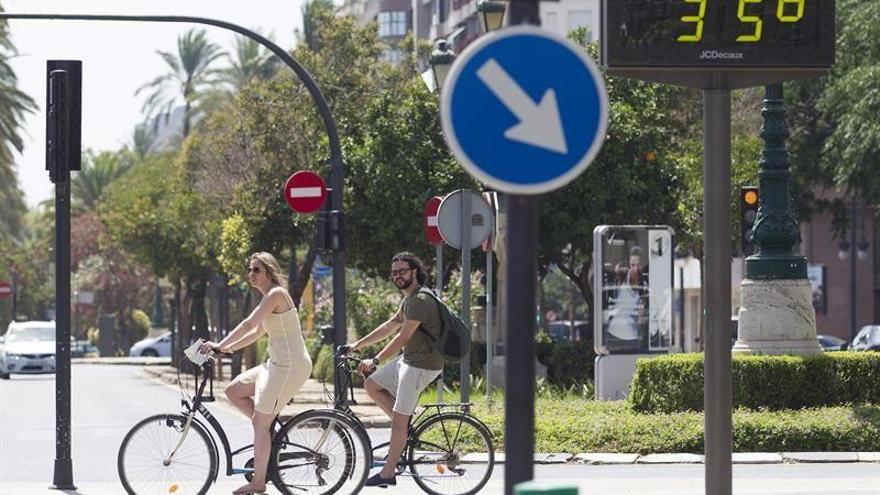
<point x="454" y="341"/>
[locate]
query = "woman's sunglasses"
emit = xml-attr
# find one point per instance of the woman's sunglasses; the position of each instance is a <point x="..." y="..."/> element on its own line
<point x="255" y="269"/>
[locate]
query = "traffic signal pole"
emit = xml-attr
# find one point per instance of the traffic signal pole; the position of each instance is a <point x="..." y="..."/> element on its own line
<point x="62" y="156"/>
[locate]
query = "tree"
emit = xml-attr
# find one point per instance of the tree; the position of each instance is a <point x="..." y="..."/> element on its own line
<point x="190" y="77"/>
<point x="14" y="104"/>
<point x="98" y="171"/>
<point x="312" y="12"/>
<point x="250" y="61"/>
<point x="835" y="133"/>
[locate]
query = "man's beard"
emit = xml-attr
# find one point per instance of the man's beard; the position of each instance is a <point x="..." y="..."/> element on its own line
<point x="406" y="283"/>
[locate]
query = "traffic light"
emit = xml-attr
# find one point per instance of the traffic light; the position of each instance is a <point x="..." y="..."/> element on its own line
<point x="748" y="213"/>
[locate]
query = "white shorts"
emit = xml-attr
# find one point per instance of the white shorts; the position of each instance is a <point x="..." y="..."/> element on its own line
<point x="404" y="382"/>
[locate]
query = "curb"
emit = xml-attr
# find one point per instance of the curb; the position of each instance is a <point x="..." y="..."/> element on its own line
<point x="124" y="360"/>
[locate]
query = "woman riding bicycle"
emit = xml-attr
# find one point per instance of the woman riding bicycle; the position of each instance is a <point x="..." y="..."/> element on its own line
<point x="261" y="392"/>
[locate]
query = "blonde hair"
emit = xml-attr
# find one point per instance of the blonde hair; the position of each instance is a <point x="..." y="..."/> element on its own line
<point x="270" y="264"/>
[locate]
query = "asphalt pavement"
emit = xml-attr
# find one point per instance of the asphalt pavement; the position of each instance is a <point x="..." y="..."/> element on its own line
<point x="108" y="400"/>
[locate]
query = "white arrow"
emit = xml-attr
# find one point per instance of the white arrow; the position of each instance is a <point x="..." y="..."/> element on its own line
<point x="539" y="125"/>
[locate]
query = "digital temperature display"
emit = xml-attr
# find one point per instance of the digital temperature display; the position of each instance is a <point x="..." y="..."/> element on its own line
<point x="718" y="33"/>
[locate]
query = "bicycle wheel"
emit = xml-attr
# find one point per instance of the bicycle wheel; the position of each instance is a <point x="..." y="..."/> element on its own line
<point x="144" y="465"/>
<point x="443" y="454"/>
<point x="319" y="452"/>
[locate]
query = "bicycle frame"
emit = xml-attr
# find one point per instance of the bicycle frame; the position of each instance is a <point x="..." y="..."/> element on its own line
<point x="343" y="404"/>
<point x="196" y="405"/>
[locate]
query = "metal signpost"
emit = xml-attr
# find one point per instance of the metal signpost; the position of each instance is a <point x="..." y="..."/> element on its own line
<point x="465" y="220"/>
<point x="433" y="235"/>
<point x="716" y="47"/>
<point x="524" y="111"/>
<point x="488" y="247"/>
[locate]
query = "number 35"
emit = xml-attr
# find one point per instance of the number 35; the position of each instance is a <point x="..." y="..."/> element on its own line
<point x="783" y="13"/>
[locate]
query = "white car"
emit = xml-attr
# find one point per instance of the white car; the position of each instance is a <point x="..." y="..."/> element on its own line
<point x="152" y="347"/>
<point x="28" y="348"/>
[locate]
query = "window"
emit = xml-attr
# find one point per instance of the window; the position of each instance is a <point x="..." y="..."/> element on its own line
<point x="581" y="18"/>
<point x="549" y="22"/>
<point x="392" y="23"/>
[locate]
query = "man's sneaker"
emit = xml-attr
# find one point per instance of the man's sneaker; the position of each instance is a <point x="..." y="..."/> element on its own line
<point x="378" y="480"/>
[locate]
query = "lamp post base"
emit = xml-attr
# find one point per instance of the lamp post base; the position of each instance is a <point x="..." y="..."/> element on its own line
<point x="777" y="317"/>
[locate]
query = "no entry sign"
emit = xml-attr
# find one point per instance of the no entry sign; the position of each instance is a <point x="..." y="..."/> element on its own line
<point x="5" y="290"/>
<point x="305" y="191"/>
<point x="432" y="232"/>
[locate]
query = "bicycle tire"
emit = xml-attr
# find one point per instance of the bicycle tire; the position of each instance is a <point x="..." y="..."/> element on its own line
<point x="164" y="432"/>
<point x="294" y="457"/>
<point x="443" y="461"/>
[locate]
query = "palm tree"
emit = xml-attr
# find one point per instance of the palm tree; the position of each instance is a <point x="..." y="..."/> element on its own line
<point x="310" y="11"/>
<point x="143" y="141"/>
<point x="251" y="61"/>
<point x="190" y="76"/>
<point x="98" y="171"/>
<point x="14" y="104"/>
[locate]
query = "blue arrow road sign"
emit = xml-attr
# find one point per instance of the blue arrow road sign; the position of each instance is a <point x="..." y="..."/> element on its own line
<point x="524" y="110"/>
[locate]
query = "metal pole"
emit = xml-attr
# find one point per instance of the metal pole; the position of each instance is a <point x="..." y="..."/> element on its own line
<point x="521" y="269"/>
<point x="853" y="303"/>
<point x="439" y="279"/>
<point x="519" y="404"/>
<point x="490" y="339"/>
<point x="14" y="294"/>
<point x="466" y="224"/>
<point x="718" y="391"/>
<point x="681" y="307"/>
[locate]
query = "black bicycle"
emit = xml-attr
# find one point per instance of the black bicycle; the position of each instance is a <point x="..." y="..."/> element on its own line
<point x="448" y="452"/>
<point x="317" y="452"/>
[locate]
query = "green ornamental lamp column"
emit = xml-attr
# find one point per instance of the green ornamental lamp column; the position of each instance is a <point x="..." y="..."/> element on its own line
<point x="777" y="315"/>
<point x="776" y="228"/>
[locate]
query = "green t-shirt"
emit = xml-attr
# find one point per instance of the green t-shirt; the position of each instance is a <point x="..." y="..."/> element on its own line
<point x="422" y="351"/>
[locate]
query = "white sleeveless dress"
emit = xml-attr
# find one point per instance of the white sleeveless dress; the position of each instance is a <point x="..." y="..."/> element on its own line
<point x="288" y="367"/>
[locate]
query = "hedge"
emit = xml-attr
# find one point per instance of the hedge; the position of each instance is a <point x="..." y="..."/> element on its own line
<point x="675" y="382"/>
<point x="578" y="425"/>
<point x="568" y="363"/>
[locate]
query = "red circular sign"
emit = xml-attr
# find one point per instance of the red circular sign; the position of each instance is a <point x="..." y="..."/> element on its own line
<point x="5" y="290"/>
<point x="305" y="191"/>
<point x="432" y="233"/>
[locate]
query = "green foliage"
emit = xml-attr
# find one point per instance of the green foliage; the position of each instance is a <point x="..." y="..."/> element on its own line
<point x="322" y="369"/>
<point x="568" y="363"/>
<point x="234" y="246"/>
<point x="675" y="382"/>
<point x="573" y="424"/>
<point x="262" y="349"/>
<point x="140" y="325"/>
<point x="370" y="302"/>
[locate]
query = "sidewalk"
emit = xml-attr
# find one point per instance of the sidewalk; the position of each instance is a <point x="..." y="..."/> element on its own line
<point x="311" y="396"/>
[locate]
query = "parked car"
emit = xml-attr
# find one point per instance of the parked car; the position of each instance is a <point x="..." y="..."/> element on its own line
<point x="152" y="346"/>
<point x="28" y="348"/>
<point x="83" y="349"/>
<point x="563" y="330"/>
<point x="868" y="339"/>
<point x="832" y="343"/>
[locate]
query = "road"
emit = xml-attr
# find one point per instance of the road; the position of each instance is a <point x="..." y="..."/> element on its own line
<point x="108" y="400"/>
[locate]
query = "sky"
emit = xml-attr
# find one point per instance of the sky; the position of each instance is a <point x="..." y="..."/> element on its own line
<point x="118" y="58"/>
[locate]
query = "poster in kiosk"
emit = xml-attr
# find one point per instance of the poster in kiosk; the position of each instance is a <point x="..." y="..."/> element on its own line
<point x="632" y="290"/>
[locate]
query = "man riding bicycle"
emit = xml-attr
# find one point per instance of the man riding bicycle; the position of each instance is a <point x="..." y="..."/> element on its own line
<point x="396" y="386"/>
